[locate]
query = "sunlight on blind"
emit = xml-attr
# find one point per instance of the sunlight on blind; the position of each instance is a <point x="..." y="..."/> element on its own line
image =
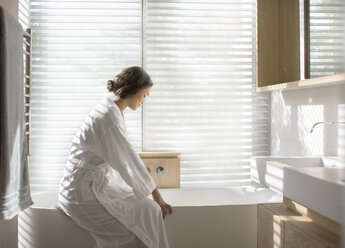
<point x="77" y="47"/>
<point x="201" y="55"/>
<point x="24" y="13"/>
<point x="326" y="37"/>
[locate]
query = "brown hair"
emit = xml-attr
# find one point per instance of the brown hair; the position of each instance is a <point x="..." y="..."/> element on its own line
<point x="130" y="81"/>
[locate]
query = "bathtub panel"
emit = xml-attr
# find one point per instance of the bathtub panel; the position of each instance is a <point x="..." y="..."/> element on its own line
<point x="203" y="218"/>
<point x="212" y="226"/>
<point x="43" y="228"/>
<point x="8" y="233"/>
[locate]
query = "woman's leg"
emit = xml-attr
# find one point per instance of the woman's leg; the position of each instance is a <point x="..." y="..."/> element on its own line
<point x="147" y="215"/>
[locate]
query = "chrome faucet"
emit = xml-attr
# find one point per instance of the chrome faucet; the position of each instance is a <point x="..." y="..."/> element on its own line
<point x="325" y="123"/>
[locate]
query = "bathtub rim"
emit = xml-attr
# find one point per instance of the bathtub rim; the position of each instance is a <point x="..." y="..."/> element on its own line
<point x="275" y="197"/>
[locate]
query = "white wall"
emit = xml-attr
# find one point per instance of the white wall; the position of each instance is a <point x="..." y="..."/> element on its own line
<point x="294" y="112"/>
<point x="8" y="228"/>
<point x="11" y="6"/>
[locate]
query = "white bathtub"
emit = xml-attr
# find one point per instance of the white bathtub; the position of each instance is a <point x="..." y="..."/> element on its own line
<point x="219" y="217"/>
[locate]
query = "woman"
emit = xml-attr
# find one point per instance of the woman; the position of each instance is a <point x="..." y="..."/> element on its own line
<point x="105" y="184"/>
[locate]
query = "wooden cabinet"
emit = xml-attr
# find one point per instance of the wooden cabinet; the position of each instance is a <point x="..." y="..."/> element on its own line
<point x="279" y="226"/>
<point x="278" y="47"/>
<point x="270" y="224"/>
<point x="308" y="234"/>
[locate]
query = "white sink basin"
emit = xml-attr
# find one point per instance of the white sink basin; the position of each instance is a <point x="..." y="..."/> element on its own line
<point x="269" y="171"/>
<point x="319" y="188"/>
<point x="315" y="182"/>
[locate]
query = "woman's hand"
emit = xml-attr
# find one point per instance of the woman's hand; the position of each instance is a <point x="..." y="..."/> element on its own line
<point x="164" y="206"/>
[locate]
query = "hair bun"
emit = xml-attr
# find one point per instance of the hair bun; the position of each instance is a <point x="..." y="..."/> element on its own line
<point x="111" y="85"/>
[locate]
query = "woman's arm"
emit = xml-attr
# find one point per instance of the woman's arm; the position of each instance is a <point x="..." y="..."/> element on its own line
<point x="115" y="149"/>
<point x="164" y="206"/>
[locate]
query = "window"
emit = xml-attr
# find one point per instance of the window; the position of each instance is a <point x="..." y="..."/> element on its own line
<point x="201" y="56"/>
<point x="326" y="37"/>
<point x="77" y="47"/>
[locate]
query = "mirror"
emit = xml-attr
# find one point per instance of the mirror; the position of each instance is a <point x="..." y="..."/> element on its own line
<point x="322" y="37"/>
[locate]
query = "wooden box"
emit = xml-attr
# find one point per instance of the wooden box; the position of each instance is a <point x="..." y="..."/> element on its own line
<point x="164" y="168"/>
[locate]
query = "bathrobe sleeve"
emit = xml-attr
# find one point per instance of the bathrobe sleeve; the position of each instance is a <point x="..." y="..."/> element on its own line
<point x="115" y="149"/>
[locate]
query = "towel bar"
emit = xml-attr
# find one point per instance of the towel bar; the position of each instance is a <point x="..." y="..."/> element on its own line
<point x="27" y="41"/>
<point x="26" y="34"/>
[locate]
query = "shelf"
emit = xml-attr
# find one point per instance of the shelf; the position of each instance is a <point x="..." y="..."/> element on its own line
<point x="306" y="84"/>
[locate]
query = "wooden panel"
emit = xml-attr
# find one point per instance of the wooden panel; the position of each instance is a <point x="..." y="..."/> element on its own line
<point x="294" y="238"/>
<point x="159" y="154"/>
<point x="279" y="226"/>
<point x="289" y="41"/>
<point x="338" y="79"/>
<point x="307" y="234"/>
<point x="261" y="244"/>
<point x="268" y="42"/>
<point x="317" y="218"/>
<point x="265" y="227"/>
<point x="278" y="44"/>
<point x="171" y="176"/>
<point x="270" y="223"/>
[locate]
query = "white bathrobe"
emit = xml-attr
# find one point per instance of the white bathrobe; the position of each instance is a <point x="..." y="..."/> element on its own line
<point x="105" y="185"/>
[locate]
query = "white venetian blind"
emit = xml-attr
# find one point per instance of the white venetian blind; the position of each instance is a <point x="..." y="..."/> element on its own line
<point x="77" y="46"/>
<point x="201" y="55"/>
<point x="326" y="37"/>
<point x="24" y="13"/>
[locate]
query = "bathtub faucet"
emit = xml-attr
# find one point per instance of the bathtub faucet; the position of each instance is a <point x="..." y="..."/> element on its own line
<point x="325" y="123"/>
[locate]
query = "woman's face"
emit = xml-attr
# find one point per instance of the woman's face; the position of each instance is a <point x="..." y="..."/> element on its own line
<point x="138" y="99"/>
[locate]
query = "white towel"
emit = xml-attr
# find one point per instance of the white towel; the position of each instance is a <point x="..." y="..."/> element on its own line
<point x="14" y="180"/>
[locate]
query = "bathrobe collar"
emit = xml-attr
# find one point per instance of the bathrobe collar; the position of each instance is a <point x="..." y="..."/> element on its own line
<point x="116" y="110"/>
